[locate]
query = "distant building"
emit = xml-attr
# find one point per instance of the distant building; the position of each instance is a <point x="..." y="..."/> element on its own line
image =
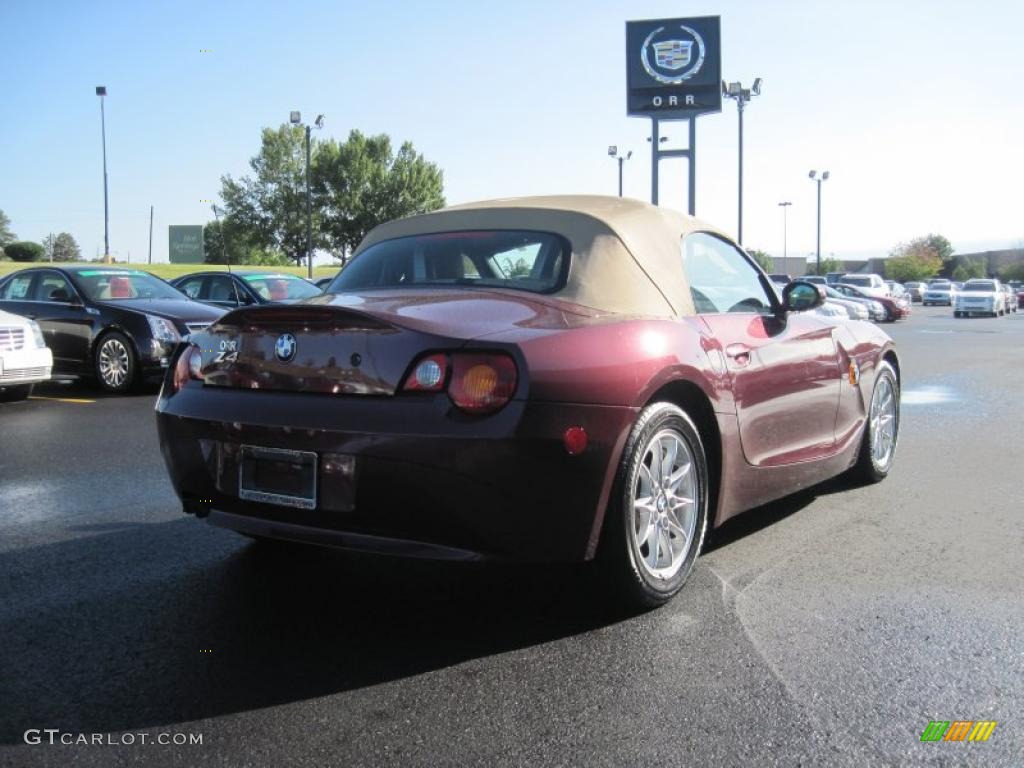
<point x="994" y="261"/>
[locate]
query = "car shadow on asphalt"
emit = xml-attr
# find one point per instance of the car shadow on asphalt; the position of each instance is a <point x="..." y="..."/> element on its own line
<point x="147" y="625"/>
<point x="769" y="514"/>
<point x="136" y="625"/>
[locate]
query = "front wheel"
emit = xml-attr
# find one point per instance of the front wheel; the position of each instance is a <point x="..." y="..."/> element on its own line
<point x="658" y="514"/>
<point x="115" y="363"/>
<point x="881" y="432"/>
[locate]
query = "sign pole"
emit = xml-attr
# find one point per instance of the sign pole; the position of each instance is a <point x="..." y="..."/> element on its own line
<point x="692" y="196"/>
<point x="655" y="158"/>
<point x="673" y="73"/>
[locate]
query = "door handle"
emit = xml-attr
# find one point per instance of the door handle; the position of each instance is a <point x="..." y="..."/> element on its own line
<point x="738" y="352"/>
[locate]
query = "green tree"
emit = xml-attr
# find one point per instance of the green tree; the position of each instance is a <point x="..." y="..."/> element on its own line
<point x="967" y="269"/>
<point x="362" y="183"/>
<point x="61" y="247"/>
<point x="224" y="243"/>
<point x="6" y="235"/>
<point x="1012" y="272"/>
<point x="269" y="207"/>
<point x="24" y="250"/>
<point x="919" y="259"/>
<point x="761" y="257"/>
<point x="356" y="185"/>
<point x="830" y="264"/>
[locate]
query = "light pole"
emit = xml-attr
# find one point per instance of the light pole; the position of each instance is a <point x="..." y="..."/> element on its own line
<point x="613" y="152"/>
<point x="101" y="91"/>
<point x="813" y="175"/>
<point x="741" y="95"/>
<point x="784" y="206"/>
<point x="296" y="119"/>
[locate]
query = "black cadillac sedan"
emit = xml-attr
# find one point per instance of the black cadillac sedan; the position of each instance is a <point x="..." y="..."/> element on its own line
<point x="242" y="287"/>
<point x="117" y="325"/>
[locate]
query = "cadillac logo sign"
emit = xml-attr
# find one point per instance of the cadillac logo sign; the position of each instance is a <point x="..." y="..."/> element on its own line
<point x="285" y="347"/>
<point x="676" y="60"/>
<point x="673" y="67"/>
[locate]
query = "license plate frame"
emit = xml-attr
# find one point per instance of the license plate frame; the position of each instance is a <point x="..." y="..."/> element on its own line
<point x="304" y="471"/>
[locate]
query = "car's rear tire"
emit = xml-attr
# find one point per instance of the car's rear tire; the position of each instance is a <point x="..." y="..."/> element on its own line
<point x="881" y="430"/>
<point x="657" y="516"/>
<point x="115" y="363"/>
<point x="15" y="393"/>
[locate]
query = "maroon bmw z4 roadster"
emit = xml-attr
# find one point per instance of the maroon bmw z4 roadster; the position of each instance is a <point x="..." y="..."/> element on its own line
<point x="551" y="378"/>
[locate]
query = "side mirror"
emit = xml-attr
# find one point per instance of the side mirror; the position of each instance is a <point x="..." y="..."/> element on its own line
<point x="799" y="296"/>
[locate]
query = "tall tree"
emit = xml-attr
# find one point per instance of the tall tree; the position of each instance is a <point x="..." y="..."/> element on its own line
<point x="356" y="185"/>
<point x="6" y="235"/>
<point x="362" y="183"/>
<point x="61" y="247"/>
<point x="269" y="207"/>
<point x="919" y="259"/>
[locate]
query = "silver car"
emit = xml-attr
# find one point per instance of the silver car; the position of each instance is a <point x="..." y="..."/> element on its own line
<point x="939" y="292"/>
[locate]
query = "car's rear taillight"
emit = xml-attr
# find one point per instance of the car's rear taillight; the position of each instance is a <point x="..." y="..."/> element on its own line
<point x="482" y="382"/>
<point x="188" y="366"/>
<point x="477" y="382"/>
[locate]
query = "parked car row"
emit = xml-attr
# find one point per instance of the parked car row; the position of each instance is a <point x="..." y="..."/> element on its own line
<point x="872" y="299"/>
<point x="115" y="325"/>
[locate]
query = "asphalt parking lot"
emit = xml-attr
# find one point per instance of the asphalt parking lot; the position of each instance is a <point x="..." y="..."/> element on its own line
<point x="827" y="628"/>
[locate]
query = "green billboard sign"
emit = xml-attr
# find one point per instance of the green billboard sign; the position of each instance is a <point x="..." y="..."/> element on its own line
<point x="185" y="244"/>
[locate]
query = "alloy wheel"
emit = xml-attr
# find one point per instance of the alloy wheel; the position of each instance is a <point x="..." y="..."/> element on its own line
<point x="664" y="500"/>
<point x="113" y="363"/>
<point x="883" y="423"/>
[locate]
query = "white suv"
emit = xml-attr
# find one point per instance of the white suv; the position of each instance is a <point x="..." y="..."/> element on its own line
<point x="980" y="297"/>
<point x="870" y="284"/>
<point x="24" y="357"/>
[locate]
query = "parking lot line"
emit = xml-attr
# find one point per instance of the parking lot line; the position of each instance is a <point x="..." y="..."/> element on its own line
<point x="61" y="399"/>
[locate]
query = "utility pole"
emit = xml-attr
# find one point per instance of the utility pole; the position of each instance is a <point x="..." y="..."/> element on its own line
<point x="742" y="96"/>
<point x="785" y="205"/>
<point x="295" y="118"/>
<point x="101" y="91"/>
<point x="151" y="234"/>
<point x="613" y="152"/>
<point x="813" y="175"/>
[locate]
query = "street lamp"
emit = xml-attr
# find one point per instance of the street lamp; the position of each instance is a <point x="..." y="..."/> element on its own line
<point x="741" y="95"/>
<point x="101" y="91"/>
<point x="784" y="206"/>
<point x="295" y="118"/>
<point x="613" y="152"/>
<point x="813" y="175"/>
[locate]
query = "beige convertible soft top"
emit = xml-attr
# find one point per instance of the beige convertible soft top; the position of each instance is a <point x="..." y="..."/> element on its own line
<point x="626" y="254"/>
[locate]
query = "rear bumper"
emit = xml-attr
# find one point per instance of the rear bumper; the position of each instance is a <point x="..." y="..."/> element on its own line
<point x="428" y="480"/>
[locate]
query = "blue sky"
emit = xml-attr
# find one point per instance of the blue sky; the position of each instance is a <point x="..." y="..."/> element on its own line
<point x="914" y="107"/>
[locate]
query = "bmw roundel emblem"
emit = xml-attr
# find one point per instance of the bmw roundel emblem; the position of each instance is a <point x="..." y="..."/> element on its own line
<point x="285" y="347"/>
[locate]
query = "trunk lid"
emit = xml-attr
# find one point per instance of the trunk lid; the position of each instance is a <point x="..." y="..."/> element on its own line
<point x="357" y="344"/>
